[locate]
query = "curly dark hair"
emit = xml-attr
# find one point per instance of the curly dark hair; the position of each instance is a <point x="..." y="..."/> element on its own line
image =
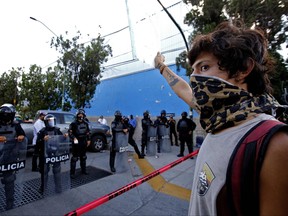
<point x="234" y="45"/>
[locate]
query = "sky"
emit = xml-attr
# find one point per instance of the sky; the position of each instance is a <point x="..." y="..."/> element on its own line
<point x="24" y="41"/>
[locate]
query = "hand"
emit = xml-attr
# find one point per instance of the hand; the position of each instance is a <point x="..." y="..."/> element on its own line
<point x="2" y="139"/>
<point x="125" y="130"/>
<point x="75" y="141"/>
<point x="65" y="135"/>
<point x="46" y="137"/>
<point x="88" y="143"/>
<point x="159" y="60"/>
<point x="20" y="138"/>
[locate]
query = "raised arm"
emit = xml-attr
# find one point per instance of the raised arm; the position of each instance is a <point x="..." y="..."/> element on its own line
<point x="178" y="85"/>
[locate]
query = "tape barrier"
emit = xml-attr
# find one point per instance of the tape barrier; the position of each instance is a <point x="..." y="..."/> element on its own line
<point x="89" y="206"/>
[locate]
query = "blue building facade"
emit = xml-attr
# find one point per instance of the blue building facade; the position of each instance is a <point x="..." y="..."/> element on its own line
<point x="136" y="92"/>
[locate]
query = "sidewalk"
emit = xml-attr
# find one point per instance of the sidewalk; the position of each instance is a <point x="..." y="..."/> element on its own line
<point x="165" y="194"/>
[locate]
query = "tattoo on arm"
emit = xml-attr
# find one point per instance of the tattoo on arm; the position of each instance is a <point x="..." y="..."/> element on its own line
<point x="172" y="80"/>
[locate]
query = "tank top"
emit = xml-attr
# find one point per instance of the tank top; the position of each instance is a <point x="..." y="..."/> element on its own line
<point x="211" y="166"/>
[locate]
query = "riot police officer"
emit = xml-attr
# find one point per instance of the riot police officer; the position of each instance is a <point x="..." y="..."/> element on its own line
<point x="79" y="133"/>
<point x="161" y="120"/>
<point x="10" y="131"/>
<point x="145" y="122"/>
<point x="131" y="141"/>
<point x="185" y="128"/>
<point x="43" y="135"/>
<point x="117" y="126"/>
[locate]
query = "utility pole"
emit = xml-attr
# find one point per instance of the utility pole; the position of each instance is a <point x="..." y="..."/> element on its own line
<point x="64" y="78"/>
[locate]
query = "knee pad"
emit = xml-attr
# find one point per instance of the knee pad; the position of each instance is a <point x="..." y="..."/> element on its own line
<point x="56" y="169"/>
<point x="9" y="178"/>
<point x="83" y="158"/>
<point x="74" y="159"/>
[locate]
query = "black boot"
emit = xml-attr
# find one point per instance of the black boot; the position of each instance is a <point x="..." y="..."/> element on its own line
<point x="140" y="156"/>
<point x="9" y="204"/>
<point x="112" y="161"/>
<point x="83" y="167"/>
<point x="72" y="168"/>
<point x="142" y="150"/>
<point x="34" y="163"/>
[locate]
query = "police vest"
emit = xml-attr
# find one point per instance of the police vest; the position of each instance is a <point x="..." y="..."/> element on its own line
<point x="81" y="129"/>
<point x="8" y="131"/>
<point x="183" y="126"/>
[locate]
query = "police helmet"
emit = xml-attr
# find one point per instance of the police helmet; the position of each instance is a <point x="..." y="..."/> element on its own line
<point x="50" y="121"/>
<point x="117" y="113"/>
<point x="81" y="111"/>
<point x="7" y="113"/>
<point x="163" y="112"/>
<point x="125" y="119"/>
<point x="184" y="114"/>
<point x="146" y="113"/>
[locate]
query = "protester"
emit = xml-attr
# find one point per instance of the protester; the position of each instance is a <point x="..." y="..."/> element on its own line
<point x="230" y="89"/>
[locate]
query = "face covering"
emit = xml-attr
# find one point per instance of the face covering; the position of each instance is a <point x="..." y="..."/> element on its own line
<point x="222" y="104"/>
<point x="80" y="118"/>
<point x="51" y="123"/>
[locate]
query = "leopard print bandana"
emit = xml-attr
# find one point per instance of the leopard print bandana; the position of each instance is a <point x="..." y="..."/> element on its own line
<point x="222" y="104"/>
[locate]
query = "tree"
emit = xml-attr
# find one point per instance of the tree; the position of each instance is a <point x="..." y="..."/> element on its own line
<point x="269" y="15"/>
<point x="41" y="90"/>
<point x="8" y="86"/>
<point x="81" y="67"/>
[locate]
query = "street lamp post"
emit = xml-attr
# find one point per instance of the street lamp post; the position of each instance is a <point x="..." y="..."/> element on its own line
<point x="44" y="25"/>
<point x="63" y="98"/>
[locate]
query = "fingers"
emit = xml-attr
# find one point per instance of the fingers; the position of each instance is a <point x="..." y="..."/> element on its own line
<point x="159" y="59"/>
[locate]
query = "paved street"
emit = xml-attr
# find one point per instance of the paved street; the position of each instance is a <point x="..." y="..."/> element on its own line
<point x="165" y="194"/>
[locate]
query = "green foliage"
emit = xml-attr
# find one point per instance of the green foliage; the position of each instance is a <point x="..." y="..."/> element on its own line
<point x="81" y="67"/>
<point x="8" y="86"/>
<point x="41" y="90"/>
<point x="269" y="15"/>
<point x="72" y="81"/>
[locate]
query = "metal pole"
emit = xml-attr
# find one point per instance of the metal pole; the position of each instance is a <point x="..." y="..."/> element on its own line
<point x="44" y="25"/>
<point x="131" y="30"/>
<point x="63" y="98"/>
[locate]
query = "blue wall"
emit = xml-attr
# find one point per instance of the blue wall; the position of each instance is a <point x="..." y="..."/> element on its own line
<point x="135" y="93"/>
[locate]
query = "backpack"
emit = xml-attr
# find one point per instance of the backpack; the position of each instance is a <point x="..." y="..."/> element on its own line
<point x="242" y="180"/>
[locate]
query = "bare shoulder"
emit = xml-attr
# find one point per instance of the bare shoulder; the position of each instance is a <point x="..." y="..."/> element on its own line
<point x="274" y="176"/>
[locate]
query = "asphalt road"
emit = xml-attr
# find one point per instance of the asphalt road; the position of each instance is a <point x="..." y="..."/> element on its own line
<point x="165" y="194"/>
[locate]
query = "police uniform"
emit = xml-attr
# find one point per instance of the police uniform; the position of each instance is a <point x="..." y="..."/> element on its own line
<point x="9" y="129"/>
<point x="43" y="167"/>
<point x="79" y="131"/>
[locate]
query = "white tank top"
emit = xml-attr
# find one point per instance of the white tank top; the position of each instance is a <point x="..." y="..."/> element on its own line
<point x="211" y="166"/>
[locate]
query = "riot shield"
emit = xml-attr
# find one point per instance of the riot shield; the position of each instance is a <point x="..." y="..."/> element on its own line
<point x="121" y="158"/>
<point x="151" y="141"/>
<point x="164" y="138"/>
<point x="55" y="155"/>
<point x="12" y="164"/>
